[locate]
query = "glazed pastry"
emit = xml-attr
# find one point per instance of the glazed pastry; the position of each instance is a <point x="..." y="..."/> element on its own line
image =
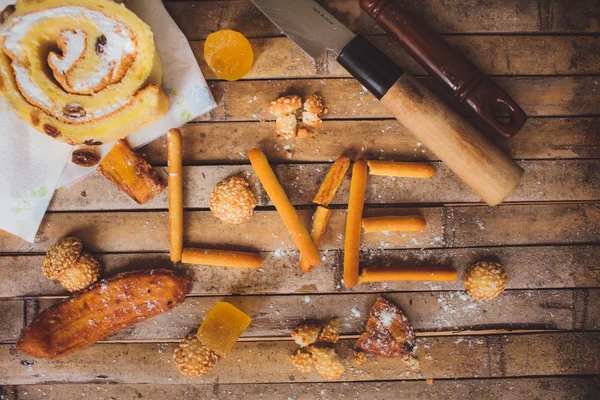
<point x="101" y="85"/>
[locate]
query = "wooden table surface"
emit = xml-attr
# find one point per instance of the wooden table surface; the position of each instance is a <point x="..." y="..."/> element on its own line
<point x="540" y="339"/>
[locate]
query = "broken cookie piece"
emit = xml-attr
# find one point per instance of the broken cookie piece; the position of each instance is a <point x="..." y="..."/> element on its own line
<point x="302" y="360"/>
<point x="313" y="109"/>
<point x="330" y="332"/>
<point x="326" y="361"/>
<point x="285" y="105"/>
<point x="388" y="332"/>
<point x="286" y="126"/>
<point x="304" y="335"/>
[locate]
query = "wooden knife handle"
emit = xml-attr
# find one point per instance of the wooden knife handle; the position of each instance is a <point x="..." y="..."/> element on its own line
<point x="453" y="71"/>
<point x="478" y="162"/>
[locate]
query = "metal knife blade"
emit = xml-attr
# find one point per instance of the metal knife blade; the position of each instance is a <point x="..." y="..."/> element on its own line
<point x="308" y="25"/>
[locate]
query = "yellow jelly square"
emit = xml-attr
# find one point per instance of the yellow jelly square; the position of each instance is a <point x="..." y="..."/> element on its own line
<point x="222" y="327"/>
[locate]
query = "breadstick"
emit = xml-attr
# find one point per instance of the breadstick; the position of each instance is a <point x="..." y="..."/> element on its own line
<point x="332" y="181"/>
<point x="394" y="223"/>
<point x="401" y="169"/>
<point x="285" y="209"/>
<point x="353" y="222"/>
<point x="221" y="258"/>
<point x="424" y="274"/>
<point x="174" y="148"/>
<point x="319" y="225"/>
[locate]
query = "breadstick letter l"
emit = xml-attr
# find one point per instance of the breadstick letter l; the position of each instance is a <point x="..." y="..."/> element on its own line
<point x="353" y="222"/>
<point x="221" y="258"/>
<point x="332" y="181"/>
<point x="424" y="274"/>
<point x="285" y="209"/>
<point x="401" y="169"/>
<point x="174" y="148"/>
<point x="319" y="225"/>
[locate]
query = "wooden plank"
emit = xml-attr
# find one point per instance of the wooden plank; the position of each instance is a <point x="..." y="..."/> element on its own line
<point x="495" y="55"/>
<point x="227" y="143"/>
<point x="11" y="320"/>
<point x="580" y="388"/>
<point x="511" y="16"/>
<point x="543" y="181"/>
<point x="528" y="268"/>
<point x="277" y="316"/>
<point x="447" y="227"/>
<point x="268" y="362"/>
<point x="348" y="99"/>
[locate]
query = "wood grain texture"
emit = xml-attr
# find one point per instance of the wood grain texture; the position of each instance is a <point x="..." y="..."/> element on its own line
<point x="277" y="316"/>
<point x="228" y="143"/>
<point x="543" y="181"/>
<point x="447" y="227"/>
<point x="471" y="16"/>
<point x="12" y="312"/>
<point x="347" y="99"/>
<point x="573" y="388"/>
<point x="528" y="268"/>
<point x="495" y="55"/>
<point x="268" y="362"/>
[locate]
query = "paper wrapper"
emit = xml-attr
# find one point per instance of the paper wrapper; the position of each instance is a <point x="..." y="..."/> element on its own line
<point x="34" y="165"/>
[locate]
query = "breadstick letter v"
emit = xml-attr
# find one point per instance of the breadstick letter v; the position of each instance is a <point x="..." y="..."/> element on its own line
<point x="174" y="148"/>
<point x="353" y="222"/>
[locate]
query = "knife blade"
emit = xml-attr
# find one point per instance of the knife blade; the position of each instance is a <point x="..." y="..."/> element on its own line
<point x="478" y="162"/>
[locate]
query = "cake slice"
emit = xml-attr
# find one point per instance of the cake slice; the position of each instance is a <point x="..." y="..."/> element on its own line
<point x="388" y="332"/>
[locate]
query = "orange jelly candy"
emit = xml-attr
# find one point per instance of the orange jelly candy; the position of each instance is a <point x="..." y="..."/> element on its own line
<point x="229" y="54"/>
<point x="222" y="327"/>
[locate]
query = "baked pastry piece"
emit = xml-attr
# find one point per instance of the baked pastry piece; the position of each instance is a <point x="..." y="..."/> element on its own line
<point x="104" y="308"/>
<point x="100" y="85"/>
<point x="232" y="201"/>
<point x="485" y="280"/>
<point x="388" y="331"/>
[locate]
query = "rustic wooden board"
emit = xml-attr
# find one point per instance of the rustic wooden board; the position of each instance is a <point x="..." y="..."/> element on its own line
<point x="347" y="99"/>
<point x="454" y="16"/>
<point x="495" y="55"/>
<point x="574" y="388"/>
<point x="527" y="267"/>
<point x="228" y="143"/>
<point x="268" y="362"/>
<point x="542" y="181"/>
<point x="277" y="316"/>
<point x="447" y="227"/>
<point x="11" y="313"/>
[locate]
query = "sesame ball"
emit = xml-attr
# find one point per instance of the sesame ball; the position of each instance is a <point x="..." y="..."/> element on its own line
<point x="194" y="358"/>
<point x="232" y="201"/>
<point x="485" y="280"/>
<point x="314" y="105"/>
<point x="81" y="274"/>
<point x="61" y="256"/>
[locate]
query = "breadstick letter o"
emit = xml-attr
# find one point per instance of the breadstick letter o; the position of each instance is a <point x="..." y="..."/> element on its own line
<point x="356" y="204"/>
<point x="174" y="149"/>
<point x="284" y="207"/>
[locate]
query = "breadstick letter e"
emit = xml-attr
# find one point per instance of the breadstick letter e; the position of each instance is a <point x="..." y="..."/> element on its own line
<point x="401" y="169"/>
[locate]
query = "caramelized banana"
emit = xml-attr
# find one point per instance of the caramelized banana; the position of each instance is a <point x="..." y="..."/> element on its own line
<point x="103" y="309"/>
